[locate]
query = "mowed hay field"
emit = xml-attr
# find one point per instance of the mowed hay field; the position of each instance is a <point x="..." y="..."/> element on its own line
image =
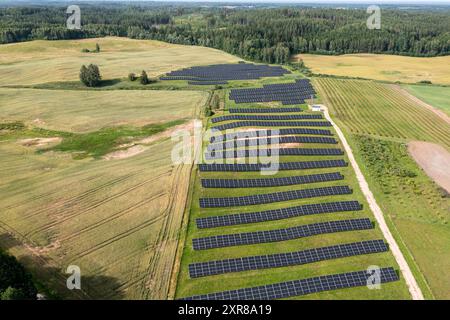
<point x="381" y="67"/>
<point x="368" y="107"/>
<point x="83" y="111"/>
<point x="378" y="121"/>
<point x="119" y="221"/>
<point x="49" y="61"/>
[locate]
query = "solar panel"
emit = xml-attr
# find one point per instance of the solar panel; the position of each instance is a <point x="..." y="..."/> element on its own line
<point x="245" y="153"/>
<point x="302" y="165"/>
<point x="266" y="117"/>
<point x="223" y="72"/>
<point x="273" y="197"/>
<point x="308" y="230"/>
<point x="301" y="287"/>
<point x="270" y="182"/>
<point x="255" y="142"/>
<point x="269" y="133"/>
<point x="278" y="260"/>
<point x="264" y="110"/>
<point x="250" y="123"/>
<point x="277" y="214"/>
<point x="286" y="93"/>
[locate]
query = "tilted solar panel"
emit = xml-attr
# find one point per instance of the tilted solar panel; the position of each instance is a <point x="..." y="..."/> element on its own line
<point x="277" y="214"/>
<point x="273" y="197"/>
<point x="308" y="230"/>
<point x="301" y="287"/>
<point x="302" y="165"/>
<point x="270" y="182"/>
<point x="267" y="152"/>
<point x="278" y="260"/>
<point x="269" y="133"/>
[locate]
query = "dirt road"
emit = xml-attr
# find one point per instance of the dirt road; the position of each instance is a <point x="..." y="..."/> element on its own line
<point x="413" y="287"/>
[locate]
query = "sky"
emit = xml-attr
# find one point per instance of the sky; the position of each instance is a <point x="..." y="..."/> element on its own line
<point x="298" y="1"/>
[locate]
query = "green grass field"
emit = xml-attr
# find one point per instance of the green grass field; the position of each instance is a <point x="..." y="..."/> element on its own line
<point x="368" y="107"/>
<point x="187" y="286"/>
<point x="378" y="122"/>
<point x="438" y="97"/>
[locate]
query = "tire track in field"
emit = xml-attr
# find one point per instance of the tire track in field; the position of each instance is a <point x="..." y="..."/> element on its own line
<point x="112" y="217"/>
<point x="89" y="207"/>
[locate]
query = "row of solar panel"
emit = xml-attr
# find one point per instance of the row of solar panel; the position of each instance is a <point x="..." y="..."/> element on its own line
<point x="206" y="83"/>
<point x="277" y="235"/>
<point x="266" y="117"/>
<point x="264" y="110"/>
<point x="273" y="197"/>
<point x="245" y="143"/>
<point x="239" y="124"/>
<point x="270" y="182"/>
<point x="268" y="133"/>
<point x="278" y="260"/>
<point x="251" y="167"/>
<point x="245" y="153"/>
<point x="301" y="287"/>
<point x="277" y="214"/>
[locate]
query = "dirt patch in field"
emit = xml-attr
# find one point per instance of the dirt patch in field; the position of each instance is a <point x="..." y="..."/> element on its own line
<point x="434" y="160"/>
<point x="39" y="142"/>
<point x="134" y="148"/>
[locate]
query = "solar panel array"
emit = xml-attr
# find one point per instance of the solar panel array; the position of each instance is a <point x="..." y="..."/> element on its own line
<point x="251" y="167"/>
<point x="301" y="287"/>
<point x="224" y="72"/>
<point x="269" y="133"/>
<point x="206" y="83"/>
<point x="265" y="117"/>
<point x="273" y="197"/>
<point x="245" y="153"/>
<point x="264" y="110"/>
<point x="308" y="230"/>
<point x="234" y="144"/>
<point x="250" y="123"/>
<point x="277" y="214"/>
<point x="278" y="260"/>
<point x="287" y="93"/>
<point x="270" y="182"/>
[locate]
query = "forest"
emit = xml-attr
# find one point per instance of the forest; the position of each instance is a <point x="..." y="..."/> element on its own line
<point x="261" y="34"/>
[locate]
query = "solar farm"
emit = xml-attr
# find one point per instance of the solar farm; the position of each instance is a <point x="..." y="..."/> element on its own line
<point x="221" y="73"/>
<point x="305" y="230"/>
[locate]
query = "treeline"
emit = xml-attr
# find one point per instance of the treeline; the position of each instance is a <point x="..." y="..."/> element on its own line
<point x="269" y="35"/>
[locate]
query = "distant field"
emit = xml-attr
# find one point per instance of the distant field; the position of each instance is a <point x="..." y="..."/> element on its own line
<point x="368" y="107"/>
<point x="438" y="97"/>
<point x="118" y="220"/>
<point x="378" y="121"/>
<point x="381" y="67"/>
<point x="49" y="61"/>
<point x="81" y="111"/>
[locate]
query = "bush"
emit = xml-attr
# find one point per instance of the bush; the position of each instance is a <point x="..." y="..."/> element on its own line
<point x="84" y="50"/>
<point x="132" y="76"/>
<point x="144" y="78"/>
<point x="425" y="82"/>
<point x="90" y="76"/>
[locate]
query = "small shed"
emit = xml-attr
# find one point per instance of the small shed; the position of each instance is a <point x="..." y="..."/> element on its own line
<point x="316" y="107"/>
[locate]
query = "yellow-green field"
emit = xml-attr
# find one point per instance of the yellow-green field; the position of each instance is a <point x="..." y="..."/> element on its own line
<point x="378" y="122"/>
<point x="369" y="107"/>
<point x="381" y="67"/>
<point x="49" y="61"/>
<point x="118" y="220"/>
<point x="82" y="111"/>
